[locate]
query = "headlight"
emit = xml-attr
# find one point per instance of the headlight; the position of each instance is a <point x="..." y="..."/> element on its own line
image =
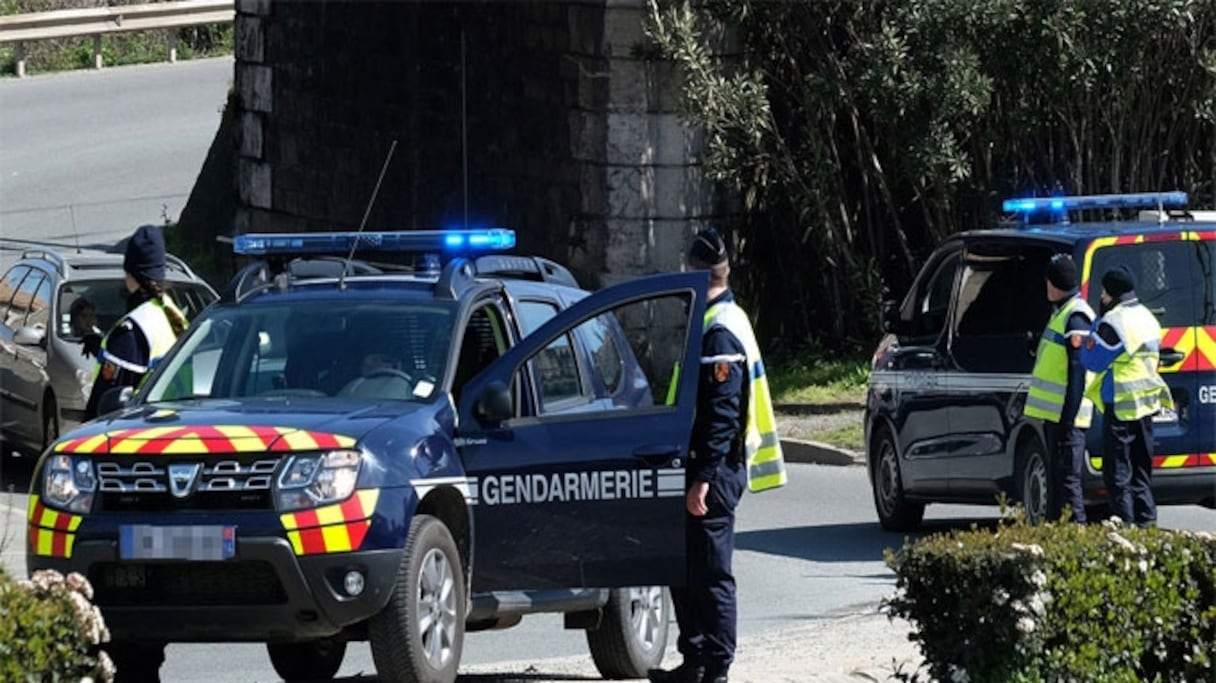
<point x="68" y="483"/>
<point x="318" y="479"/>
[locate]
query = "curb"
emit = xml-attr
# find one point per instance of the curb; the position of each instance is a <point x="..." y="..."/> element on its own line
<point x="818" y="453"/>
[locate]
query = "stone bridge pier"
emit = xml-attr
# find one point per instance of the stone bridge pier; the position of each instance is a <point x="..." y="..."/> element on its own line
<point x="544" y="117"/>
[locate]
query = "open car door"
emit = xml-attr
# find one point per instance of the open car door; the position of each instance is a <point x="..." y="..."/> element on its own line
<point x="575" y="454"/>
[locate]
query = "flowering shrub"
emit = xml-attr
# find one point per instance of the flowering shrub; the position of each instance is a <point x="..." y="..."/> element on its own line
<point x="1060" y="602"/>
<point x="49" y="630"/>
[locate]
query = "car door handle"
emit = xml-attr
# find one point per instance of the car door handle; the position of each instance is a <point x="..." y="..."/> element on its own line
<point x="657" y="454"/>
<point x="1169" y="356"/>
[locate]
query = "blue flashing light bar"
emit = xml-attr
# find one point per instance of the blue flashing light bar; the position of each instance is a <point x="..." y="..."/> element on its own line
<point x="302" y="243"/>
<point x="1095" y="201"/>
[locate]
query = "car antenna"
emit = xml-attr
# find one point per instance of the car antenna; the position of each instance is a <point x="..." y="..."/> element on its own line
<point x="75" y="230"/>
<point x="366" y="212"/>
<point x="464" y="128"/>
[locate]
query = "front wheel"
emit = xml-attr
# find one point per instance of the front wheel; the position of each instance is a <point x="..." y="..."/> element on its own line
<point x="1033" y="482"/>
<point x="312" y="660"/>
<point x="418" y="636"/>
<point x="632" y="636"/>
<point x="895" y="511"/>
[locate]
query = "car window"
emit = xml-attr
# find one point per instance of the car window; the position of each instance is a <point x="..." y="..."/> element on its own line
<point x="24" y="300"/>
<point x="927" y="306"/>
<point x="345" y="349"/>
<point x="191" y="298"/>
<point x="106" y="298"/>
<point x="484" y="339"/>
<point x="1170" y="278"/>
<point x="8" y="290"/>
<point x="556" y="367"/>
<point x="601" y="345"/>
<point x="40" y="305"/>
<point x="1002" y="307"/>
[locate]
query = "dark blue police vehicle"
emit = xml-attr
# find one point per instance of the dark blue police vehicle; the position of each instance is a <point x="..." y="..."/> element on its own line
<point x="348" y="450"/>
<point x="949" y="380"/>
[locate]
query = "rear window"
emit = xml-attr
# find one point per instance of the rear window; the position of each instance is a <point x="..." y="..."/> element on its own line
<point x="95" y="305"/>
<point x="1173" y="279"/>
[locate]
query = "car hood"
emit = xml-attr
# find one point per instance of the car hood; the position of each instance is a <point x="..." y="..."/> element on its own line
<point x="234" y="425"/>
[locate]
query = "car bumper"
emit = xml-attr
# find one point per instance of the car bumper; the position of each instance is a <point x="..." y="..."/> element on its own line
<point x="265" y="593"/>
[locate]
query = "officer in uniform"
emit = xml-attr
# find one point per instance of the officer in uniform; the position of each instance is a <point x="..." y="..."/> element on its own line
<point x="734" y="444"/>
<point x="1123" y="349"/>
<point x="147" y="331"/>
<point x="124" y="357"/>
<point x="1057" y="387"/>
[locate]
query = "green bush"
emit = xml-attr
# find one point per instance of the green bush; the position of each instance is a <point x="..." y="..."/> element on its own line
<point x="1061" y="602"/>
<point x="49" y="631"/>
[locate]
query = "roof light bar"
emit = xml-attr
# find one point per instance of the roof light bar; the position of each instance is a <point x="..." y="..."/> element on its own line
<point x="301" y="243"/>
<point x="1095" y="201"/>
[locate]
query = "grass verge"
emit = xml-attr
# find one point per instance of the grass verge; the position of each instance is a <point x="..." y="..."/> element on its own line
<point x="819" y="381"/>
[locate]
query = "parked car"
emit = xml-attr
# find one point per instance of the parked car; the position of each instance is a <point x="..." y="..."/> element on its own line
<point x="48" y="300"/>
<point x="348" y="450"/>
<point x="948" y="382"/>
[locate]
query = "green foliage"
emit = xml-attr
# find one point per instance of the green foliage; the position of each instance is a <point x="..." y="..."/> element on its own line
<point x="860" y="133"/>
<point x="797" y="380"/>
<point x="135" y="47"/>
<point x="49" y="631"/>
<point x="1061" y="602"/>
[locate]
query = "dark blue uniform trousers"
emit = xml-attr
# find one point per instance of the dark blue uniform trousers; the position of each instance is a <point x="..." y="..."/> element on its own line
<point x="1127" y="468"/>
<point x="1067" y="448"/>
<point x="706" y="606"/>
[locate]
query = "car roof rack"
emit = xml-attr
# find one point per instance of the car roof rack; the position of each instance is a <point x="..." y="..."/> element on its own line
<point x="526" y="268"/>
<point x="49" y="256"/>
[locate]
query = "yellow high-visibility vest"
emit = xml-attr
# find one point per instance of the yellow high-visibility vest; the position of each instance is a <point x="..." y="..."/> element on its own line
<point x="1139" y="390"/>
<point x="762" y="447"/>
<point x="153" y="323"/>
<point x="1049" y="380"/>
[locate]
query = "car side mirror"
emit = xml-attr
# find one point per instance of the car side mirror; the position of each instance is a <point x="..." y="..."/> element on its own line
<point x="1170" y="356"/>
<point x="30" y="336"/>
<point x="115" y="398"/>
<point x="493" y="406"/>
<point x="891" y="323"/>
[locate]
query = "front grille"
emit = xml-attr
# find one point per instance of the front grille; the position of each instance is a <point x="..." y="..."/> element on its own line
<point x="193" y="584"/>
<point x="223" y="482"/>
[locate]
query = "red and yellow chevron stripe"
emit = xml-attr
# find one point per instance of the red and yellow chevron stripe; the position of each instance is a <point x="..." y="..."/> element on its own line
<point x="335" y="528"/>
<point x="1172" y="462"/>
<point x="204" y="439"/>
<point x="1197" y="344"/>
<point x="51" y="533"/>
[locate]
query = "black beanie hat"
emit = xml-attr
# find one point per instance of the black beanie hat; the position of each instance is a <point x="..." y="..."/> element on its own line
<point x="145" y="255"/>
<point x="1062" y="272"/>
<point x="708" y="248"/>
<point x="1118" y="281"/>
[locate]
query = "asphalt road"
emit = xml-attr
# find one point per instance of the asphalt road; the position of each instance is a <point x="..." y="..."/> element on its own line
<point x="808" y="552"/>
<point x="86" y="156"/>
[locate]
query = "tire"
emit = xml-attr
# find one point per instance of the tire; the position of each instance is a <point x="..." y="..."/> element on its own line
<point x="1033" y="482"/>
<point x="632" y="636"/>
<point x="312" y="660"/>
<point x="418" y="636"/>
<point x="895" y="511"/>
<point x="50" y="423"/>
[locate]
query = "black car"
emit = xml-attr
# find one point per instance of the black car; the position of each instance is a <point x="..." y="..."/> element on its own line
<point x="348" y="450"/>
<point x="949" y="380"/>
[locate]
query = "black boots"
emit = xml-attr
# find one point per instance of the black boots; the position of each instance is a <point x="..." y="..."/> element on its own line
<point x="684" y="673"/>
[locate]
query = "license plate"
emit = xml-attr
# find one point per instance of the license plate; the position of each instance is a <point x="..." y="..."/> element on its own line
<point x="201" y="542"/>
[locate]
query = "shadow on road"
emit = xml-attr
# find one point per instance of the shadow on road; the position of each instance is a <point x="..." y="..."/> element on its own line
<point x="856" y="542"/>
<point x="525" y="677"/>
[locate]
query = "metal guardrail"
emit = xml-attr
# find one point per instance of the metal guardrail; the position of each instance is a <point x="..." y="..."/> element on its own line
<point x="98" y="21"/>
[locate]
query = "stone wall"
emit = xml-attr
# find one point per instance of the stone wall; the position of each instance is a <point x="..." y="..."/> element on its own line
<point x="571" y="139"/>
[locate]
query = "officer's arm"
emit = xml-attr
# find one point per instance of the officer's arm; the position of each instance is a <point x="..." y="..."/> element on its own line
<point x="1101" y="348"/>
<point x="720" y="387"/>
<point x="1077" y="323"/>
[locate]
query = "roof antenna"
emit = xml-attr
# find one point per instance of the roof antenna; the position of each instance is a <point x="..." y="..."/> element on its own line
<point x="75" y="230"/>
<point x="366" y="212"/>
<point x="464" y="130"/>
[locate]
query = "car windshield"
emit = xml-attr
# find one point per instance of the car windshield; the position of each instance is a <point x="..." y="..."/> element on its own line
<point x="341" y="348"/>
<point x="95" y="305"/>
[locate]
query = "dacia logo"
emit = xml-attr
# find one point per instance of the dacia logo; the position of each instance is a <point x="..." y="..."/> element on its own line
<point x="182" y="477"/>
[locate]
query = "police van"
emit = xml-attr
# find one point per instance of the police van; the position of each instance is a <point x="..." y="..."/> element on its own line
<point x="430" y="439"/>
<point x="949" y="379"/>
